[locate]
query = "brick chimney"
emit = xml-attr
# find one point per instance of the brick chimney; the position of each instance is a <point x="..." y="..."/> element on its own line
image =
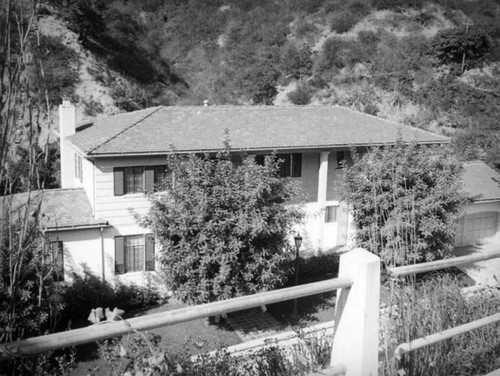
<point x="67" y="123"/>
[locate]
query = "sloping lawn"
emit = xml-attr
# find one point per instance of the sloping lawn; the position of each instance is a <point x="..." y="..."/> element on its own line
<point x="196" y="336"/>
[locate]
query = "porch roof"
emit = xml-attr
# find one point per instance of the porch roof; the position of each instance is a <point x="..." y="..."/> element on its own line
<point x="57" y="209"/>
<point x="481" y="181"/>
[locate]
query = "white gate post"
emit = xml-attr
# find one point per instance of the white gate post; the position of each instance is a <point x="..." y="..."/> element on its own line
<point x="355" y="345"/>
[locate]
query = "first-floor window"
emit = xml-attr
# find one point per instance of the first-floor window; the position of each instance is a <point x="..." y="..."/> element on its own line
<point x="56" y="260"/>
<point x="331" y="214"/>
<point x="134" y="253"/>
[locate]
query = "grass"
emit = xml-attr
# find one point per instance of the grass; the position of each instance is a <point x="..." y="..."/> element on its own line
<point x="196" y="336"/>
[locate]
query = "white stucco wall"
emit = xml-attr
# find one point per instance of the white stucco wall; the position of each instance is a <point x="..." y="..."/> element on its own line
<point x="81" y="250"/>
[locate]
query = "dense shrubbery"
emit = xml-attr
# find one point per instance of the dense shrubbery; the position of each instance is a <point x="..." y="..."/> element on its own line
<point x="458" y="45"/>
<point x="89" y="291"/>
<point x="300" y="96"/>
<point x="224" y="229"/>
<point x="313" y="266"/>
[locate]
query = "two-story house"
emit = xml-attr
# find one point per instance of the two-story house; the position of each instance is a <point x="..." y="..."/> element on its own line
<point x="107" y="165"/>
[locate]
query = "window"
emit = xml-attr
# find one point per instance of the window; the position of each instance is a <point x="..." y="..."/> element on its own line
<point x="133" y="179"/>
<point x="290" y="166"/>
<point x="56" y="259"/>
<point x="331" y="214"/>
<point x="134" y="253"/>
<point x="78" y="167"/>
<point x="162" y="178"/>
<point x="340" y="158"/>
<point x="138" y="179"/>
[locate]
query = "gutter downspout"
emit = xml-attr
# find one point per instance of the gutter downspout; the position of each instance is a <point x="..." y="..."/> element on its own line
<point x="102" y="256"/>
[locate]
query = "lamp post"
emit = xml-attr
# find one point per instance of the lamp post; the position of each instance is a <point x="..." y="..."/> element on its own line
<point x="298" y="243"/>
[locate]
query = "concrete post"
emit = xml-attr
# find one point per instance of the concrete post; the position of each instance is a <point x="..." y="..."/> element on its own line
<point x="355" y="344"/>
<point x="67" y="124"/>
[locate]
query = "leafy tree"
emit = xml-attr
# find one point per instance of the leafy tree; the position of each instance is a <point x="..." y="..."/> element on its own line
<point x="405" y="200"/>
<point x="296" y="61"/>
<point x="223" y="228"/>
<point x="450" y="46"/>
<point x="88" y="17"/>
<point x="261" y="84"/>
<point x="301" y="96"/>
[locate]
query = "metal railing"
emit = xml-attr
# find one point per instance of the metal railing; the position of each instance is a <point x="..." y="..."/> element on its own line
<point x="449" y="333"/>
<point x="36" y="345"/>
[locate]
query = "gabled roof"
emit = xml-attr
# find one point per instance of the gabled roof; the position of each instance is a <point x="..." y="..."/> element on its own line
<point x="481" y="181"/>
<point x="253" y="128"/>
<point x="60" y="209"/>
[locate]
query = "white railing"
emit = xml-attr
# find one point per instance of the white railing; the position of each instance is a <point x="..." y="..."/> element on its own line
<point x="355" y="343"/>
<point x="449" y="333"/>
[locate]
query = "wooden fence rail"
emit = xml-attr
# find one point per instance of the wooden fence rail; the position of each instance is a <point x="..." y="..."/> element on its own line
<point x="402" y="271"/>
<point x="450" y="333"/>
<point x="36" y="345"/>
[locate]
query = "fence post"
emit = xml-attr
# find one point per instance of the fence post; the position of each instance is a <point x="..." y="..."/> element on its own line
<point x="355" y="344"/>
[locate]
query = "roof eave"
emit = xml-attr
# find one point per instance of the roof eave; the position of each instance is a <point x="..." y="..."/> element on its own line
<point x="94" y="154"/>
<point x="77" y="227"/>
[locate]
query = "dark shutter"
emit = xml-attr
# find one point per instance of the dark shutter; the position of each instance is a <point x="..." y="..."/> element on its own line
<point x="150" y="252"/>
<point x="149" y="178"/>
<point x="118" y="181"/>
<point x="296" y="165"/>
<point x="119" y="255"/>
<point x="284" y="165"/>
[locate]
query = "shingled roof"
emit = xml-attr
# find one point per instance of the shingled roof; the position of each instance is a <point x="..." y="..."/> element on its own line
<point x="194" y="129"/>
<point x="481" y="181"/>
<point x="59" y="208"/>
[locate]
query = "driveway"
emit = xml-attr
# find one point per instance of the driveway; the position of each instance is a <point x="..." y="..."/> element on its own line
<point x="483" y="272"/>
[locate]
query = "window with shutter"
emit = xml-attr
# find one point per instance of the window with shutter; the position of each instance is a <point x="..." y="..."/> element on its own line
<point x="134" y="253"/>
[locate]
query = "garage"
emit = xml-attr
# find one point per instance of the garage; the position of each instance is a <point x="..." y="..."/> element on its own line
<point x="474" y="227"/>
<point x="480" y="221"/>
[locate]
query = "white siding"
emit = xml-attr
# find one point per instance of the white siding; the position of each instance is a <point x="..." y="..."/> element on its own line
<point x="118" y="209"/>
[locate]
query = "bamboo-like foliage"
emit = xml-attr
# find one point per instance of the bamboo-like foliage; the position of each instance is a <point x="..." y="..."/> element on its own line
<point x="405" y="200"/>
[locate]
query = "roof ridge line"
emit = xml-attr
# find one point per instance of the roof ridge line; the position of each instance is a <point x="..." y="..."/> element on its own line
<point x="124" y="130"/>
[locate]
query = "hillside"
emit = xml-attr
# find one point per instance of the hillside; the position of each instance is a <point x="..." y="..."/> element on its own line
<point x="434" y="65"/>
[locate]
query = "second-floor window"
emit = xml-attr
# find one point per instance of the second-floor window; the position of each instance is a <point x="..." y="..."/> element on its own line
<point x="78" y="167"/>
<point x="290" y="166"/>
<point x="138" y="179"/>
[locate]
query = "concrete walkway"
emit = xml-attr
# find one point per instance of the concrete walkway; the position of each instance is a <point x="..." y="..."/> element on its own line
<point x="483" y="272"/>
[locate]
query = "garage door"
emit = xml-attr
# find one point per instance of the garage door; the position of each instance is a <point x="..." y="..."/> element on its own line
<point x="475" y="227"/>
